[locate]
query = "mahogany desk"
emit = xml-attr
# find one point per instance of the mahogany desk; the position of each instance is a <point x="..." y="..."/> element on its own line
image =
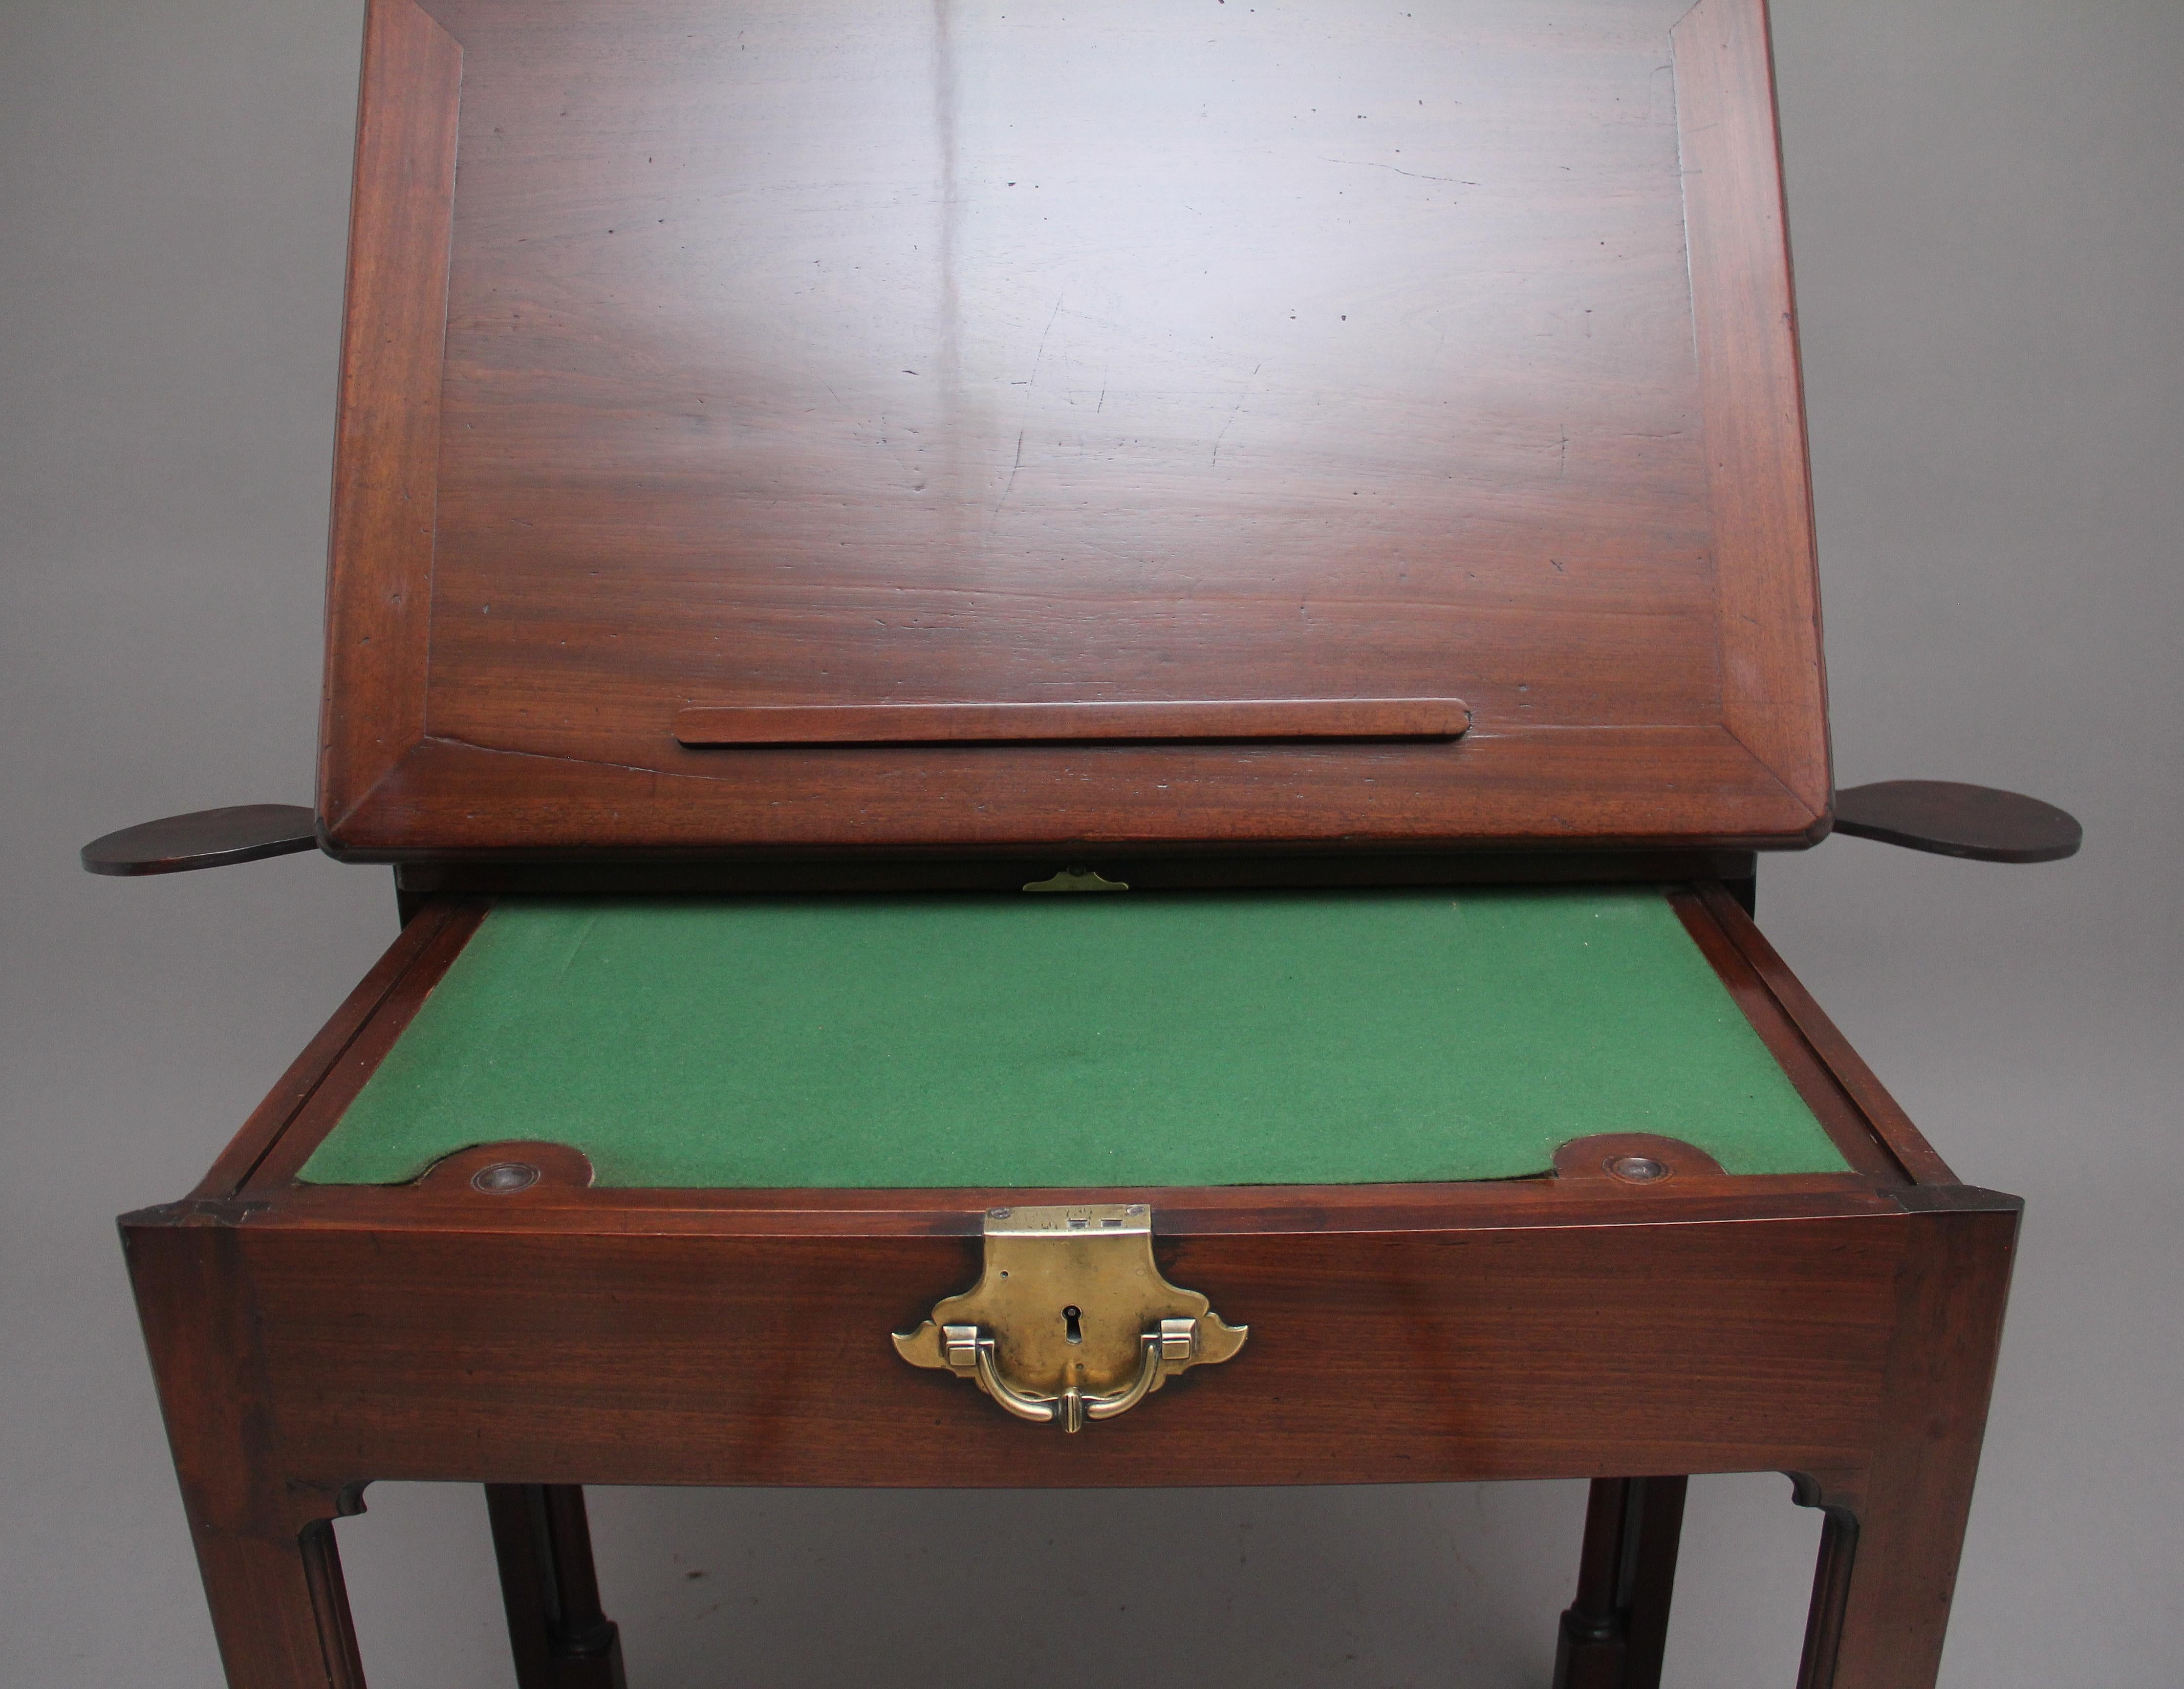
<point x="813" y="464"/>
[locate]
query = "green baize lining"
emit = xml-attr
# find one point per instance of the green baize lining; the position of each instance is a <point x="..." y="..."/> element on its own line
<point x="1121" y="1039"/>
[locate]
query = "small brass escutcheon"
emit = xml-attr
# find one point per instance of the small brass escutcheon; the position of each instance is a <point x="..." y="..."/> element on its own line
<point x="1072" y="1320"/>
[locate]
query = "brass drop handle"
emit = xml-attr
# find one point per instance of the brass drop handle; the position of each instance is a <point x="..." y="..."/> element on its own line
<point x="1072" y="1302"/>
<point x="1038" y="1409"/>
<point x="970" y="1348"/>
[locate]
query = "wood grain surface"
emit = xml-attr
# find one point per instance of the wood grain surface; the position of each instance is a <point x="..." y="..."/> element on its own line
<point x="822" y="357"/>
<point x="387" y="440"/>
<point x="1773" y="694"/>
<point x="203" y="838"/>
<point x="1855" y="1352"/>
<point x="488" y="1352"/>
<point x="1952" y="819"/>
<point x="1238" y="719"/>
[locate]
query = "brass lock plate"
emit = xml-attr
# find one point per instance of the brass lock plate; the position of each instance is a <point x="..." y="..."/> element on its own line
<point x="1072" y="1320"/>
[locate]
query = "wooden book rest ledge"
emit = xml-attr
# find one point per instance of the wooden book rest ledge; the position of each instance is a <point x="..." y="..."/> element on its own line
<point x="1216" y="722"/>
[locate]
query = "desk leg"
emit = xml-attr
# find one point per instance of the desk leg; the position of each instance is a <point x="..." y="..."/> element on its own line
<point x="279" y="1611"/>
<point x="1614" y="1635"/>
<point x="1889" y="1552"/>
<point x="561" y="1638"/>
<point x="264" y="1541"/>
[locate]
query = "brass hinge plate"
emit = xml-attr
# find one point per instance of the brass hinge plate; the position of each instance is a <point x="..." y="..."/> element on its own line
<point x="1077" y="879"/>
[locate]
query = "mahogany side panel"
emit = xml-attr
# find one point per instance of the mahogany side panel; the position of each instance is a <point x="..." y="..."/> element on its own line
<point x="272" y="1117"/>
<point x="1833" y="1103"/>
<point x="1774" y="693"/>
<point x="387" y="442"/>
<point x="357" y="1057"/>
<point x="1889" y="1123"/>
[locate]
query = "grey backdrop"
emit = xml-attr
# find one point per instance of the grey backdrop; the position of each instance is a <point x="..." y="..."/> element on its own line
<point x="1987" y="199"/>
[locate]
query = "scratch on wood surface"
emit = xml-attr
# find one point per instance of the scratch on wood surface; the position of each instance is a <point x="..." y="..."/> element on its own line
<point x="1013" y="468"/>
<point x="1416" y="176"/>
<point x="1215" y="460"/>
<point x="1041" y="353"/>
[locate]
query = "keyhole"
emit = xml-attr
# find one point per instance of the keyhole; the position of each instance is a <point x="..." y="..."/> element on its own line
<point x="1071" y="1326"/>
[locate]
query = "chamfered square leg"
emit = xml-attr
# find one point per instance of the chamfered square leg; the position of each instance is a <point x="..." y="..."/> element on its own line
<point x="559" y="1637"/>
<point x="1613" y="1634"/>
<point x="265" y="1544"/>
<point x="1895" y="1531"/>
